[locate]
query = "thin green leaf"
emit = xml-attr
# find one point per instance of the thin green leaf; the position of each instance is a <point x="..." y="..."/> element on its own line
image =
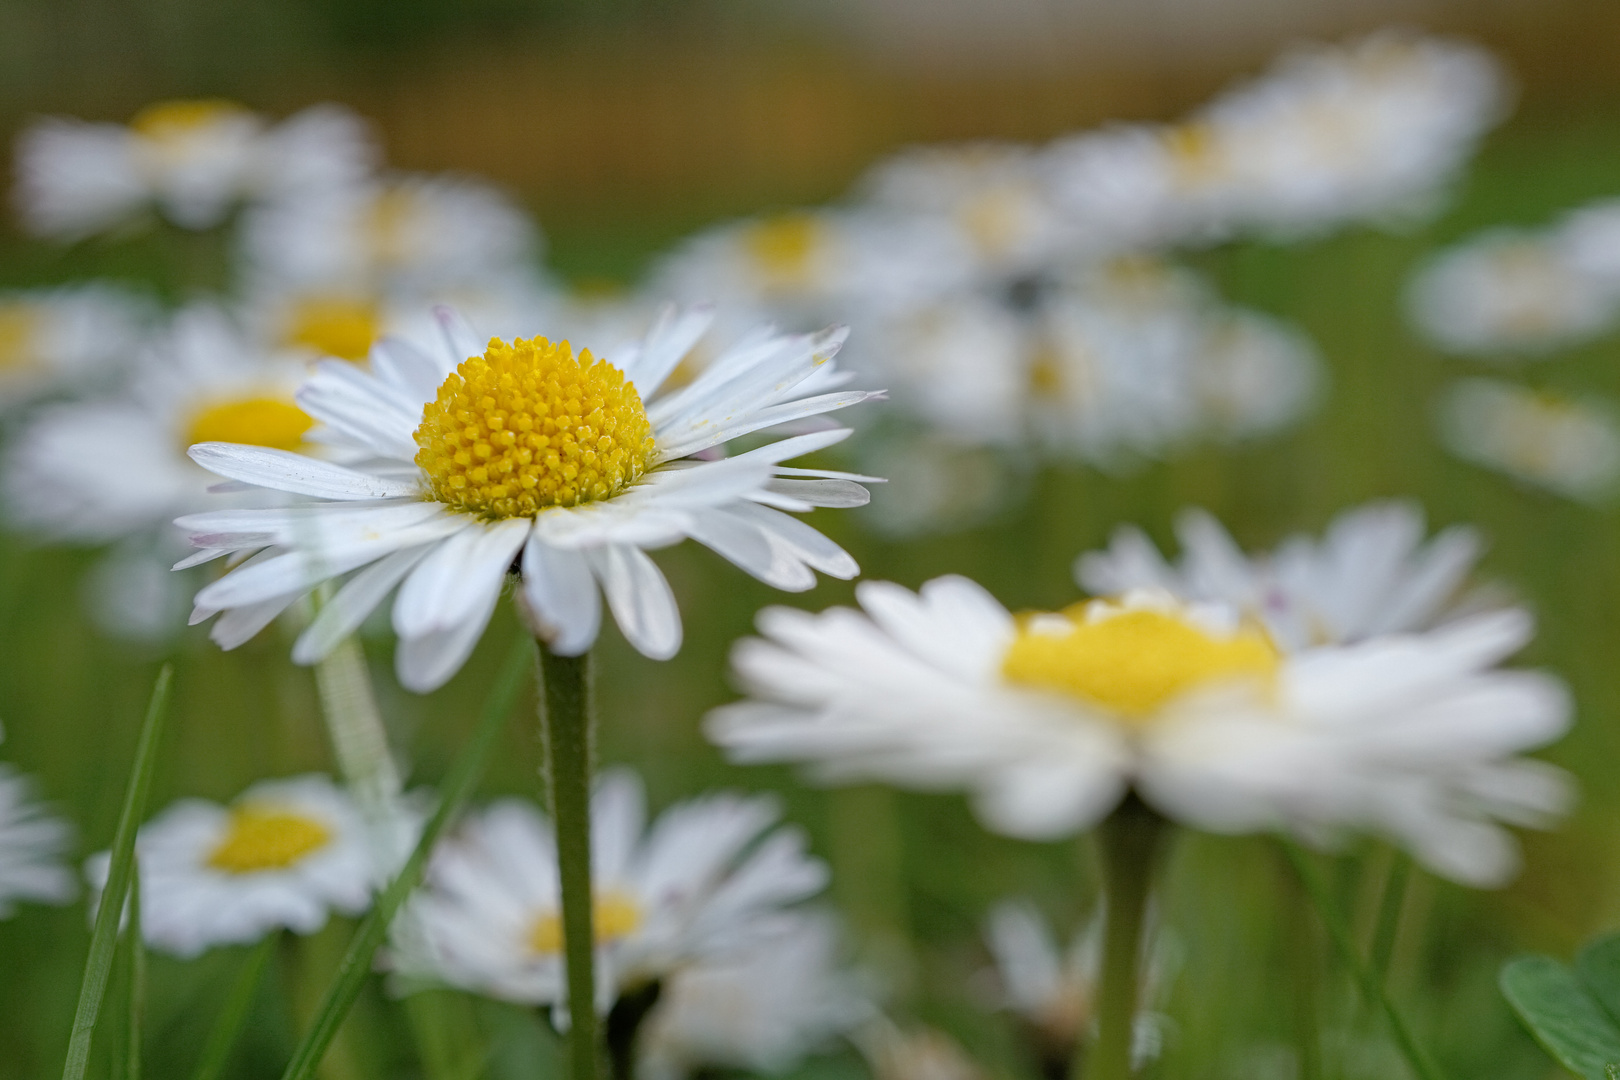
<point x="1562" y="1014"/>
<point x="104" y="933"/>
<point x="464" y="775"/>
<point x="216" y="1052"/>
<point x="135" y="950"/>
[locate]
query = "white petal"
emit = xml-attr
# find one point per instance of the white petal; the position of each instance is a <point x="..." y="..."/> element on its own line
<point x="457" y="577"/>
<point x="282" y="470"/>
<point x="640" y="599"/>
<point x="360" y="595"/>
<point x="562" y="593"/>
<point x="426" y="663"/>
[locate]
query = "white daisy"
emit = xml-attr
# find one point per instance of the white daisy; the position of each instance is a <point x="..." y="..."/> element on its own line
<point x="709" y="879"/>
<point x="1050" y="719"/>
<point x="192" y="161"/>
<point x="1255" y="376"/>
<point x="69" y="338"/>
<point x="1567" y="445"/>
<point x="285" y="853"/>
<point x="1372" y="573"/>
<point x="920" y="1053"/>
<point x="526" y="452"/>
<point x="33" y="842"/>
<point x="762" y="1009"/>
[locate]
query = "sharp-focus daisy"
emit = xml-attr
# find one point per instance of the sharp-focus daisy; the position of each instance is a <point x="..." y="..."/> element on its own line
<point x="285" y="853"/>
<point x="761" y="1010"/>
<point x="33" y="842"/>
<point x="193" y="161"/>
<point x="1567" y="445"/>
<point x="70" y="338"/>
<point x="1373" y="572"/>
<point x="525" y="453"/>
<point x="708" y="879"/>
<point x="1050" y="719"/>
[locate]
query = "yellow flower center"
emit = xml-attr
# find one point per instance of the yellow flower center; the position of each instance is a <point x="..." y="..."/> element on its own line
<point x="613" y="916"/>
<point x="386" y="226"/>
<point x="334" y="326"/>
<point x="1134" y="662"/>
<point x="267" y="838"/>
<point x="994" y="218"/>
<point x="260" y="421"/>
<point x="1195" y="152"/>
<point x="169" y="120"/>
<point x="19" y="323"/>
<point x="529" y="425"/>
<point x="784" y="246"/>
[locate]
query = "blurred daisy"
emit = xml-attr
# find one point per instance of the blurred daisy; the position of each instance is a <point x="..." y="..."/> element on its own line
<point x="69" y="338"/>
<point x="192" y="161"/>
<point x="921" y="1053"/>
<point x="527" y="453"/>
<point x="1049" y="720"/>
<point x="33" y="842"/>
<point x="1510" y="291"/>
<point x="1255" y="375"/>
<point x="285" y="853"/>
<point x="761" y="1010"/>
<point x="707" y="881"/>
<point x="1372" y="573"/>
<point x="1567" y="445"/>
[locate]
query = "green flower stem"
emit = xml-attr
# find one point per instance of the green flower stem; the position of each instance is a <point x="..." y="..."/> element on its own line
<point x="216" y="1053"/>
<point x="1128" y="843"/>
<point x="566" y="720"/>
<point x="359" y="740"/>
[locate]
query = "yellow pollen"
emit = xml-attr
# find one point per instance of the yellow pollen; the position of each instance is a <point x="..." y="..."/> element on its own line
<point x="260" y="421"/>
<point x="19" y="323"/>
<point x="386" y="225"/>
<point x="784" y="246"/>
<point x="267" y="838"/>
<point x="992" y="218"/>
<point x="612" y="917"/>
<point x="1195" y="152"/>
<point x="1134" y="662"/>
<point x="178" y="119"/>
<point x="529" y="425"/>
<point x="334" y="326"/>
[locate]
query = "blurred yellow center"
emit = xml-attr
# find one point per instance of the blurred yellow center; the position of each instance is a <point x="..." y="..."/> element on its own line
<point x="334" y="326"/>
<point x="19" y="323"/>
<point x="529" y="425"/>
<point x="267" y="838"/>
<point x="1134" y="662"/>
<point x="612" y="917"/>
<point x="784" y="246"/>
<point x="993" y="218"/>
<point x="261" y="421"/>
<point x="1195" y="152"/>
<point x="167" y="120"/>
<point x="387" y="224"/>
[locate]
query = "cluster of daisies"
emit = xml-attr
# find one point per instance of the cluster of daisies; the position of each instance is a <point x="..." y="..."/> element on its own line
<point x="1511" y="295"/>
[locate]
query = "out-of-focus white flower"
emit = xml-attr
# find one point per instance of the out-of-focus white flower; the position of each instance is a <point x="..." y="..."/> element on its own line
<point x="33" y="842"/>
<point x="936" y="485"/>
<point x="762" y="1009"/>
<point x="1049" y="720"/>
<point x="563" y="467"/>
<point x="1510" y="291"/>
<point x="1567" y="445"/>
<point x="70" y="338"/>
<point x="192" y="161"/>
<point x="709" y="880"/>
<point x="921" y="1053"/>
<point x="1371" y="573"/>
<point x="285" y="853"/>
<point x="1255" y="375"/>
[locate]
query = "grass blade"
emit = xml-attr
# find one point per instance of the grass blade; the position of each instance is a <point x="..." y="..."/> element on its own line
<point x="104" y="933"/>
<point x="216" y="1052"/>
<point x="135" y="953"/>
<point x="464" y="776"/>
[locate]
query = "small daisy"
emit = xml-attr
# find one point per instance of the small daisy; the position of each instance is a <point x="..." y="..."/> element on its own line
<point x="920" y="1053"/>
<point x="1567" y="445"/>
<point x="1372" y="573"/>
<point x="192" y="161"/>
<point x="762" y="1010"/>
<point x="33" y="842"/>
<point x="285" y="853"/>
<point x="708" y="879"/>
<point x="1255" y="376"/>
<point x="1049" y="720"/>
<point x="68" y="338"/>
<point x="526" y="452"/>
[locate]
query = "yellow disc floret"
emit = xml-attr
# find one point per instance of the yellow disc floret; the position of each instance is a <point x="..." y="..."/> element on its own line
<point x="1132" y="661"/>
<point x="256" y="421"/>
<point x="334" y="326"/>
<point x="19" y="330"/>
<point x="529" y="425"/>
<point x="179" y="119"/>
<point x="267" y="838"/>
<point x="783" y="247"/>
<point x="613" y="916"/>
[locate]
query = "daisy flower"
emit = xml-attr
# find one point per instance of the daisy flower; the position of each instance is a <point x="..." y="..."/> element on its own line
<point x="762" y="1010"/>
<point x="33" y="842"/>
<point x="707" y="880"/>
<point x="192" y="161"/>
<point x="285" y="853"/>
<point x="1567" y="445"/>
<point x="67" y="338"/>
<point x="526" y="452"/>
<point x="1373" y="572"/>
<point x="1256" y="375"/>
<point x="1050" y="720"/>
<point x="921" y="1053"/>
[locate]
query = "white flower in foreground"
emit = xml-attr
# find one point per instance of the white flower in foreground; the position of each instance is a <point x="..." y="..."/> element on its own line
<point x="707" y="880"/>
<point x="1050" y="719"/>
<point x="285" y="853"/>
<point x="67" y="338"/>
<point x="32" y="844"/>
<point x="193" y="161"/>
<point x="1372" y="573"/>
<point x="1567" y="445"/>
<point x="762" y="1010"/>
<point x="527" y="454"/>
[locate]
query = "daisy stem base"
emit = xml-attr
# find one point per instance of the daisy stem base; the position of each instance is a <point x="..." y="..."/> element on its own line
<point x="1128" y="843"/>
<point x="566" y="723"/>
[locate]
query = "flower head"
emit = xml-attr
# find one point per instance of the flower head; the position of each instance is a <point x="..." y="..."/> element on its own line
<point x="32" y="844"/>
<point x="1566" y="445"/>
